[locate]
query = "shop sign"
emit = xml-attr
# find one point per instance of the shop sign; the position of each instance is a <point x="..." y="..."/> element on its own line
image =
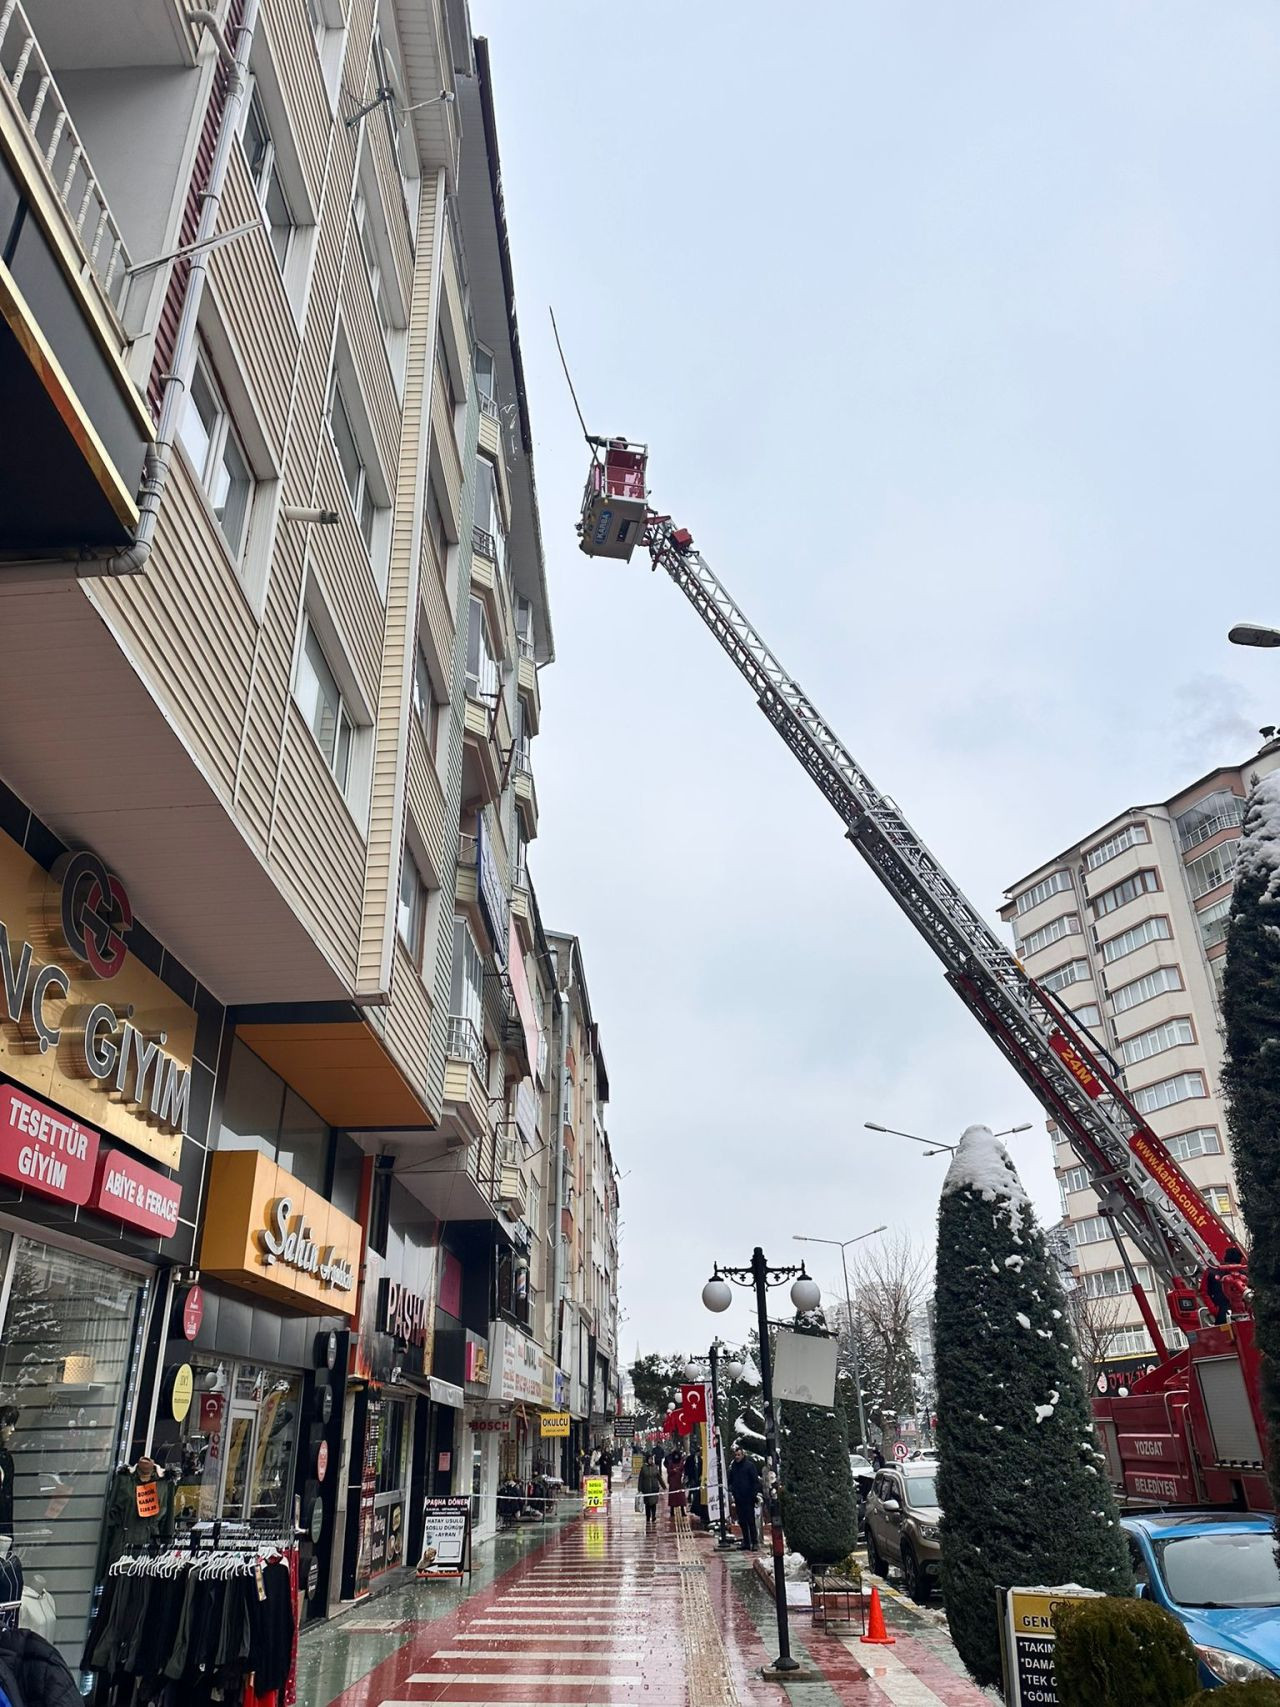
<point x="490" y="1425"/>
<point x="192" y="1312"/>
<point x="1029" y="1636"/>
<point x="182" y="1385"/>
<point x="477" y="1367"/>
<point x="594" y="1493"/>
<point x="493" y="898"/>
<point x="322" y="1460"/>
<point x="554" y="1426"/>
<point x="446" y="1534"/>
<point x="123" y="1065"/>
<point x="403" y="1313"/>
<point x="129" y="1191"/>
<point x="47" y="1152"/>
<point x="518" y="1375"/>
<point x="272" y="1234"/>
<point x="445" y="1393"/>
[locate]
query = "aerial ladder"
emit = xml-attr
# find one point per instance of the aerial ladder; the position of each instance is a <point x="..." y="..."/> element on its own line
<point x="1189" y="1431"/>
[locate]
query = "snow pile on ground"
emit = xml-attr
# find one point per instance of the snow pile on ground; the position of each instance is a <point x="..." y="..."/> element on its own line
<point x="1260" y="841"/>
<point x="982" y="1164"/>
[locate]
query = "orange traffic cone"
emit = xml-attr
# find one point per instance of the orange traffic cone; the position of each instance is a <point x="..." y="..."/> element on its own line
<point x="877" y="1632"/>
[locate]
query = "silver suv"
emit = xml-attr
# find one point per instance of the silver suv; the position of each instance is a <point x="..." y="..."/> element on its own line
<point x="902" y="1525"/>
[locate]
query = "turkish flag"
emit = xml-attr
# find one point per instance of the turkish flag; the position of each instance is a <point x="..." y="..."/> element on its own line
<point x="693" y="1402"/>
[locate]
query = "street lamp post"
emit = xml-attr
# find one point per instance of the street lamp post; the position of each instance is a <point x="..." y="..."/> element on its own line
<point x="843" y="1244"/>
<point x="713" y="1358"/>
<point x="1253" y="634"/>
<point x="805" y="1295"/>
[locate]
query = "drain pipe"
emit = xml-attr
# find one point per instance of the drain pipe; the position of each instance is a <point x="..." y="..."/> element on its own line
<point x="133" y="560"/>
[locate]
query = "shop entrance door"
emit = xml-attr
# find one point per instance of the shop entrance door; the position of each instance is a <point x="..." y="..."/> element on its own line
<point x="238" y="1462"/>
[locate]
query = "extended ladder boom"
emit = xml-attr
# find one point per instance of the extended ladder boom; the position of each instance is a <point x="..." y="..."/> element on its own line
<point x="1140" y="1185"/>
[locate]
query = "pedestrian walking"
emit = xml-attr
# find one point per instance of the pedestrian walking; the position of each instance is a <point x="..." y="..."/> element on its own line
<point x="606" y="1467"/>
<point x="675" y="1481"/>
<point x="650" y="1489"/>
<point x="744" y="1486"/>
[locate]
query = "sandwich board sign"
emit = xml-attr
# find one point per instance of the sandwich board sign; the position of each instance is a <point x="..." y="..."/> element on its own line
<point x="1029" y="1638"/>
<point x="446" y="1536"/>
<point x="593" y="1493"/>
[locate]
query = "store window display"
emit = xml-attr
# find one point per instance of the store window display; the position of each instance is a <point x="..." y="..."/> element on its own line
<point x="235" y="1447"/>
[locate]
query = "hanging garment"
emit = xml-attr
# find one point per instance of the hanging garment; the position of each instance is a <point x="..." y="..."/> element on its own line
<point x="139" y="1511"/>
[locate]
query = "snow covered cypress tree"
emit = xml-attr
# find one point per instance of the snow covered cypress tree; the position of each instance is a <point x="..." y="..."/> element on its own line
<point x="819" y="1512"/>
<point x="1251" y="1008"/>
<point x="1021" y="1481"/>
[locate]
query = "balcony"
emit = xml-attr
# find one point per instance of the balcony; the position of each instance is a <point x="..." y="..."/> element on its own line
<point x="486" y="741"/>
<point x="466" y="1071"/>
<point x="526" y="793"/>
<point x="75" y="429"/>
<point x="527" y="684"/>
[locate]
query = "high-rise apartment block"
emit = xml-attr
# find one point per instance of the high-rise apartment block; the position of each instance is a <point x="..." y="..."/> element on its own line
<point x="274" y="610"/>
<point x="1127" y="927"/>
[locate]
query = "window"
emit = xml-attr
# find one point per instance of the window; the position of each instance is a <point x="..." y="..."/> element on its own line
<point x="1061" y="976"/>
<point x="411" y="911"/>
<point x="1221" y="810"/>
<point x="1130" y="837"/>
<point x="426" y="707"/>
<point x="1165" y="1092"/>
<point x="1066" y="924"/>
<point x="1213" y="922"/>
<point x="210" y="440"/>
<point x="436" y="528"/>
<point x="373" y="264"/>
<point x="1131" y="1341"/>
<point x="446" y="371"/>
<point x="1141" y="883"/>
<point x="466" y="979"/>
<point x="1090" y="1014"/>
<point x="321" y="703"/>
<point x="1128" y="942"/>
<point x="1211" y="870"/>
<point x="482" y="671"/>
<point x="1114" y="1282"/>
<point x="524" y="626"/>
<point x="488" y="510"/>
<point x="1142" y="989"/>
<point x="260" y="1112"/>
<point x="1218" y="1197"/>
<point x="328" y="28"/>
<point x="1075" y="1179"/>
<point x="1047" y="886"/>
<point x="1200" y="1141"/>
<point x="483" y="361"/>
<point x="260" y="151"/>
<point x="1092" y="1230"/>
<point x="1144" y="1044"/>
<point x="355" y="476"/>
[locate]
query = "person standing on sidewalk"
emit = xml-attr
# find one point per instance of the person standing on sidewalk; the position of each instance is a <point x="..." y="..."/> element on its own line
<point x="744" y="1486"/>
<point x="649" y="1487"/>
<point x="606" y="1467"/>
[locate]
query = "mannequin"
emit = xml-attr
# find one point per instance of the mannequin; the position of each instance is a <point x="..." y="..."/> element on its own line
<point x="139" y="1511"/>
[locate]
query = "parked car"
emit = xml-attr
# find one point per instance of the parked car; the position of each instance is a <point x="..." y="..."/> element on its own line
<point x="864" y="1474"/>
<point x="860" y="1465"/>
<point x="902" y="1525"/>
<point x="1217" y="1573"/>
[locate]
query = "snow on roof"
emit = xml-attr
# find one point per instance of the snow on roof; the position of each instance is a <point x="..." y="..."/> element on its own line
<point x="982" y="1164"/>
<point x="1260" y="840"/>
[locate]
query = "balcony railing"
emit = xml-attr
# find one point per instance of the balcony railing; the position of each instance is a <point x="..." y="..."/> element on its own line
<point x="484" y="542"/>
<point x="1207" y="827"/>
<point x="526" y="647"/>
<point x="466" y="850"/>
<point x="466" y="1044"/>
<point x="26" y="74"/>
<point x="489" y="406"/>
<point x="523" y="758"/>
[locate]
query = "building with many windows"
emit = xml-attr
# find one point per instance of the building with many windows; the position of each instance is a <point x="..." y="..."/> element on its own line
<point x="1128" y="926"/>
<point x="274" y="608"/>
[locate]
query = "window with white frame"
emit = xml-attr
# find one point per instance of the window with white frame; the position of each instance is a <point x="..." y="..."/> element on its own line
<point x="1211" y="870"/>
<point x="1075" y="1179"/>
<point x="1213" y="922"/>
<point x="426" y="707"/>
<point x="1128" y="1342"/>
<point x="321" y="702"/>
<point x="1165" y="1092"/>
<point x="1130" y="837"/>
<point x="466" y="978"/>
<point x="355" y="476"/>
<point x="328" y="28"/>
<point x="1047" y="886"/>
<point x="1218" y="1197"/>
<point x="484" y="371"/>
<point x="379" y="268"/>
<point x="1138" y="936"/>
<point x="488" y="508"/>
<point x="436" y="528"/>
<point x="1066" y="924"/>
<point x="1090" y="1230"/>
<point x="1114" y="1282"/>
<point x="411" y="909"/>
<point x="1221" y="810"/>
<point x="208" y="435"/>
<point x="1200" y="1141"/>
<point x="264" y="170"/>
<point x="1157" y="983"/>
<point x="1144" y="1044"/>
<point x="1120" y="894"/>
<point x="482" y="670"/>
<point x="445" y="367"/>
<point x="1072" y="973"/>
<point x="1090" y="1014"/>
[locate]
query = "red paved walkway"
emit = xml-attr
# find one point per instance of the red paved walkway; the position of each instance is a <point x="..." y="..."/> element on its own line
<point x="596" y="1618"/>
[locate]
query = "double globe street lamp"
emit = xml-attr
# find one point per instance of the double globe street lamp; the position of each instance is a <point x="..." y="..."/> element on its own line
<point x="717" y="1295"/>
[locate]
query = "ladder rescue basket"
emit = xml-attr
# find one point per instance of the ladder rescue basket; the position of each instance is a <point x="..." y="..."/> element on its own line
<point x="615" y="505"/>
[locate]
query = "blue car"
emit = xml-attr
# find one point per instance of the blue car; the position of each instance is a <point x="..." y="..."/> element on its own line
<point x="1216" y="1572"/>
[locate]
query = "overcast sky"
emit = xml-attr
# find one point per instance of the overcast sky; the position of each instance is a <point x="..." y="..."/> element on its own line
<point x="952" y="328"/>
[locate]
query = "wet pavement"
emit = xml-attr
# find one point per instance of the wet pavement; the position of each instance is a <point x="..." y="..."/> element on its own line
<point x="601" y="1613"/>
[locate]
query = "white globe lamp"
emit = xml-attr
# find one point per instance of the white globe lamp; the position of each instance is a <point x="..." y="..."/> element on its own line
<point x="717" y="1295"/>
<point x="806" y="1294"/>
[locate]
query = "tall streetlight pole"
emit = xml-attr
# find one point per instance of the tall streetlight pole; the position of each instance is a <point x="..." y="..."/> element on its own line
<point x="843" y="1245"/>
<point x="805" y="1295"/>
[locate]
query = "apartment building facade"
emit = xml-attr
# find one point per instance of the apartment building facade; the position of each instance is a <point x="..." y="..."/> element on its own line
<point x="276" y="1034"/>
<point x="1128" y="927"/>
